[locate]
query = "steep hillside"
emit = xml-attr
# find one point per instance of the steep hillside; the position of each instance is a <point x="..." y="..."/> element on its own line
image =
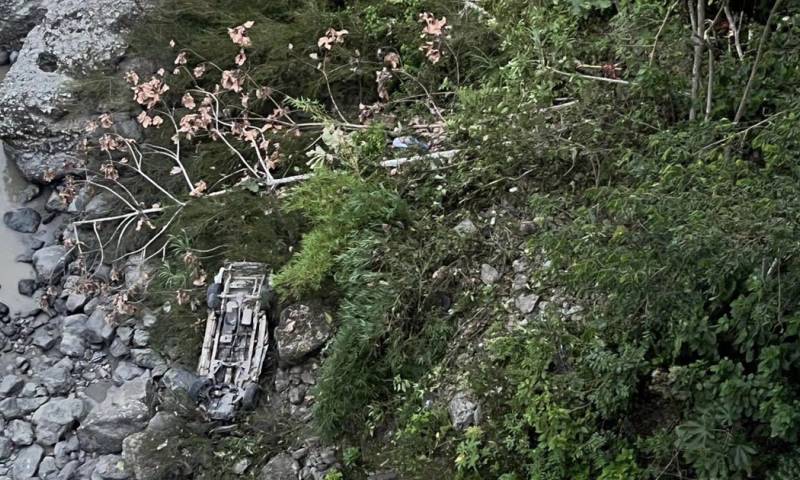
<point x="547" y="240"/>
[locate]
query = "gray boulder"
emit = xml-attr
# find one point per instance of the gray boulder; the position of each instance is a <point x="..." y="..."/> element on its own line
<point x="111" y="467"/>
<point x="150" y="359"/>
<point x="70" y="471"/>
<point x="57" y="379"/>
<point x="280" y="467"/>
<point x="124" y="411"/>
<point x="27" y="462"/>
<point x="47" y="468"/>
<point x="489" y="274"/>
<point x="20" y="432"/>
<point x="19" y="16"/>
<point x="100" y="205"/>
<point x="73" y="331"/>
<point x="75" y="302"/>
<point x="26" y="286"/>
<point x="136" y="454"/>
<point x="125" y="372"/>
<point x="118" y="348"/>
<point x="98" y="327"/>
<point x="55" y="203"/>
<point x="56" y="417"/>
<point x="23" y="220"/>
<point x="526" y="302"/>
<point x="464" y="411"/>
<point x="6" y="449"/>
<point x="75" y="37"/>
<point x="141" y="337"/>
<point x="10" y="385"/>
<point x="178" y="379"/>
<point x="18" y="407"/>
<point x="303" y="330"/>
<point x="44" y="339"/>
<point x="137" y="449"/>
<point x="50" y="262"/>
<point x="63" y="450"/>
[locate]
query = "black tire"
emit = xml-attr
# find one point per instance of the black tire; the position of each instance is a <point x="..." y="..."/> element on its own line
<point x="199" y="388"/>
<point x="212" y="296"/>
<point x="250" y="397"/>
<point x="267" y="298"/>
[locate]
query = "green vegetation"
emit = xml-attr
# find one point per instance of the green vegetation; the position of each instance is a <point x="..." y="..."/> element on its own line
<point x="677" y="238"/>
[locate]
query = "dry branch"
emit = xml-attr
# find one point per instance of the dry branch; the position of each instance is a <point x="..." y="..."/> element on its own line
<point x="735" y="29"/>
<point x="590" y="77"/>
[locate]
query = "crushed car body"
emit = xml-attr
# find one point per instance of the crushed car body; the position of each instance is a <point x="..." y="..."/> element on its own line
<point x="236" y="340"/>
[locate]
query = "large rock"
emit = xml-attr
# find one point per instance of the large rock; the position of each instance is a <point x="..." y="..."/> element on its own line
<point x="63" y="450"/>
<point x="100" y="205"/>
<point x="26" y="286"/>
<point x="23" y="220"/>
<point x="6" y="449"/>
<point x="138" y="449"/>
<point x="72" y="335"/>
<point x="20" y="432"/>
<point x="50" y="262"/>
<point x="27" y="462"/>
<point x="302" y="331"/>
<point x="124" y="411"/>
<point x="464" y="411"/>
<point x="19" y="17"/>
<point x="125" y="371"/>
<point x="10" y="385"/>
<point x="179" y="379"/>
<point x="75" y="301"/>
<point x="58" y="378"/>
<point x="56" y="417"/>
<point x="111" y="467"/>
<point x="98" y="327"/>
<point x="150" y="359"/>
<point x="47" y="468"/>
<point x="18" y="407"/>
<point x="280" y="467"/>
<point x="75" y="37"/>
<point x="489" y="274"/>
<point x="44" y="339"/>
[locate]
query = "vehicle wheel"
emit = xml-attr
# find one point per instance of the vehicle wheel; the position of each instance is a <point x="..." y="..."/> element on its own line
<point x="212" y="296"/>
<point x="267" y="298"/>
<point x="250" y="397"/>
<point x="199" y="388"/>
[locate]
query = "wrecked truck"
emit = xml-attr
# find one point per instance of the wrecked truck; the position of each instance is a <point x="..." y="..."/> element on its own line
<point x="236" y="340"/>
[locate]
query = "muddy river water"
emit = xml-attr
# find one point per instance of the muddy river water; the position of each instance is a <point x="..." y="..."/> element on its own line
<point x="11" y="243"/>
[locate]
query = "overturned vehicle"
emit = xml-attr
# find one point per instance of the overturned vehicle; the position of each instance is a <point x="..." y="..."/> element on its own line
<point x="236" y="340"/>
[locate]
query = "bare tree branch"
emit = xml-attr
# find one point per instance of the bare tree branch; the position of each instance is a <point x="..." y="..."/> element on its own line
<point x="590" y="77"/>
<point x="710" y="86"/>
<point x="699" y="45"/>
<point x="735" y="29"/>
